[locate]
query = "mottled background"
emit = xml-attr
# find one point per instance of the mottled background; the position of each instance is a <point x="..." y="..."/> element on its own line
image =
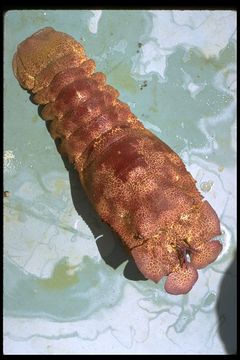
<point x="68" y="285"/>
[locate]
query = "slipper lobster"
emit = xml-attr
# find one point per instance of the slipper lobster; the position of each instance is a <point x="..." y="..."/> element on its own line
<point x="137" y="184"/>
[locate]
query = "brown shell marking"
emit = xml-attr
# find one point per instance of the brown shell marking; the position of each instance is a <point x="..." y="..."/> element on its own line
<point x="137" y="184"/>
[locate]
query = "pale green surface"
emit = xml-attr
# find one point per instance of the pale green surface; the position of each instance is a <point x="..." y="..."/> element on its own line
<point x="59" y="294"/>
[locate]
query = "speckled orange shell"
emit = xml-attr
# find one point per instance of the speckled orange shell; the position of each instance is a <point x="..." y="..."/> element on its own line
<point x="137" y="184"/>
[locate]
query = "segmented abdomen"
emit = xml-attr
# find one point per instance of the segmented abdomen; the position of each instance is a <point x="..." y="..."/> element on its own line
<point x="77" y="100"/>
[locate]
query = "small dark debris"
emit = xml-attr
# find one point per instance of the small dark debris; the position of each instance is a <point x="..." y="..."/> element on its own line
<point x="143" y="85"/>
<point x="138" y="51"/>
<point x="140" y="45"/>
<point x="6" y="193"/>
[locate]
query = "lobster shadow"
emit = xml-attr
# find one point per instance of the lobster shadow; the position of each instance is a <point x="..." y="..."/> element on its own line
<point x="108" y="242"/>
<point x="227" y="309"/>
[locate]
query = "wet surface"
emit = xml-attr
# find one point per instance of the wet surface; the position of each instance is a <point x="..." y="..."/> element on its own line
<point x="69" y="286"/>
